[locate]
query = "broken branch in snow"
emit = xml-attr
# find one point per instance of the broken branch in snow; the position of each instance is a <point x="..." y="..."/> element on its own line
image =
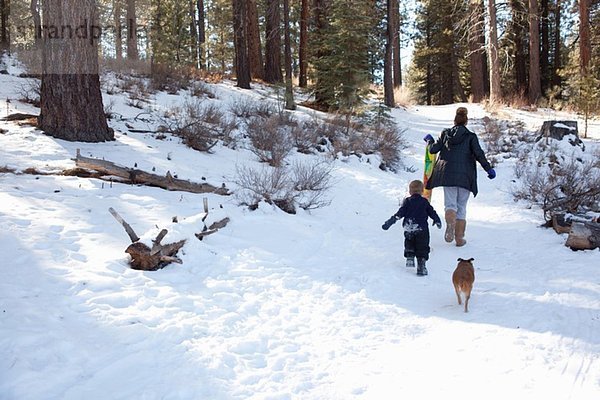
<point x="132" y="235"/>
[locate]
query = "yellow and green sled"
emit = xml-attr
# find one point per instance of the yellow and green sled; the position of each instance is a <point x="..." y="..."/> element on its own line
<point x="429" y="164"/>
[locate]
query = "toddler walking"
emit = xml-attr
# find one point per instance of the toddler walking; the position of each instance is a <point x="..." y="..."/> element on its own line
<point x="415" y="210"/>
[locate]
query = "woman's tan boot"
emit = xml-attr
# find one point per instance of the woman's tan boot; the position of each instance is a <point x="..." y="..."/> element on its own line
<point x="461" y="226"/>
<point x="450" y="225"/>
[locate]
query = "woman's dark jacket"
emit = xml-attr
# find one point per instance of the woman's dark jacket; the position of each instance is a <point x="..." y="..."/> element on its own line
<point x="458" y="149"/>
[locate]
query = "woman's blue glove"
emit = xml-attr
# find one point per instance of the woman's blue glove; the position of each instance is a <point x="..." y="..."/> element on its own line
<point x="387" y="224"/>
<point x="491" y="173"/>
<point x="429" y="139"/>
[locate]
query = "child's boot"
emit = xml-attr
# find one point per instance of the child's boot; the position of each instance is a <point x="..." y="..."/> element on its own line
<point x="410" y="262"/>
<point x="421" y="268"/>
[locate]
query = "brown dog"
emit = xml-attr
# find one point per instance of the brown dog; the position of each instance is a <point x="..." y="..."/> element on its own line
<point x="463" y="278"/>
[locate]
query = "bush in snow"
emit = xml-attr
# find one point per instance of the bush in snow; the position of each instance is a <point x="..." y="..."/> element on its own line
<point x="271" y="140"/>
<point x="200" y="125"/>
<point x="559" y="178"/>
<point x="30" y="92"/>
<point x="299" y="185"/>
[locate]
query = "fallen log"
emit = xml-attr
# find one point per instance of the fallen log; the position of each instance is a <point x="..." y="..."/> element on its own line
<point x="136" y="176"/>
<point x="584" y="236"/>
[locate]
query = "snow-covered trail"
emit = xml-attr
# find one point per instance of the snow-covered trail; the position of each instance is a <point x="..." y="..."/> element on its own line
<point x="313" y="306"/>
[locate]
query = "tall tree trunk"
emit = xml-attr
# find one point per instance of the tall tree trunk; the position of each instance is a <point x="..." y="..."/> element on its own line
<point x="397" y="65"/>
<point x="545" y="49"/>
<point x="535" y="87"/>
<point x="518" y="34"/>
<point x="34" y="8"/>
<point x="429" y="69"/>
<point x="71" y="101"/>
<point x="303" y="50"/>
<point x="477" y="50"/>
<point x="118" y="30"/>
<point x="4" y="26"/>
<point x="254" y="47"/>
<point x="289" y="90"/>
<point x="201" y="33"/>
<point x="132" y="45"/>
<point x="556" y="79"/>
<point x="495" y="89"/>
<point x="273" y="46"/>
<point x="242" y="67"/>
<point x="388" y="64"/>
<point x="585" y="46"/>
<point x="193" y="33"/>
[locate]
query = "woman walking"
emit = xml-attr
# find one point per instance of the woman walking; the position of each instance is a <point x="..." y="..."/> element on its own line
<point x="455" y="170"/>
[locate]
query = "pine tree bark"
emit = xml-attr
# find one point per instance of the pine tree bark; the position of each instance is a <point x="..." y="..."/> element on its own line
<point x="118" y="30"/>
<point x="477" y="50"/>
<point x="585" y="46"/>
<point x="71" y="101"/>
<point x="388" y="63"/>
<point x="495" y="89"/>
<point x="556" y="79"/>
<point x="289" y="89"/>
<point x="242" y="67"/>
<point x="518" y="33"/>
<point x="273" y="45"/>
<point x="303" y="46"/>
<point x="397" y="64"/>
<point x="4" y="28"/>
<point x="132" y="45"/>
<point x="201" y="33"/>
<point x="535" y="87"/>
<point x="545" y="48"/>
<point x="34" y="8"/>
<point x="193" y="32"/>
<point x="254" y="45"/>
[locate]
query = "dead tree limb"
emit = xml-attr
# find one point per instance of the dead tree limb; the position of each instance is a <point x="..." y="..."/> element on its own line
<point x="134" y="238"/>
<point x="136" y="176"/>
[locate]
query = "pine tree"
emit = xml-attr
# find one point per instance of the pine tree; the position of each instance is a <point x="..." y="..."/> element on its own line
<point x="242" y="66"/>
<point x="341" y="57"/>
<point x="132" y="45"/>
<point x="535" y="89"/>
<point x="273" y="42"/>
<point x="71" y="102"/>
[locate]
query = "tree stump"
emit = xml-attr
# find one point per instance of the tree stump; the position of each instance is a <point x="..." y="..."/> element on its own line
<point x="584" y="236"/>
<point x="558" y="130"/>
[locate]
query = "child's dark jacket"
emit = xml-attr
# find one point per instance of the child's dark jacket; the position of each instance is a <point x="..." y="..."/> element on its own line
<point x="415" y="210"/>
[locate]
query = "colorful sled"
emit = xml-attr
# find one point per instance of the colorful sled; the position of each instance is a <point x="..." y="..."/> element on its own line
<point x="428" y="170"/>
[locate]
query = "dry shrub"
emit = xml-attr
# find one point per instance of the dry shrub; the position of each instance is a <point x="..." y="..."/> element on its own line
<point x="265" y="184"/>
<point x="403" y="96"/>
<point x="559" y="184"/>
<point x="7" y="170"/>
<point x="271" y="140"/>
<point x="310" y="184"/>
<point x="306" y="136"/>
<point x="201" y="89"/>
<point x="200" y="125"/>
<point x="170" y="79"/>
<point x="388" y="142"/>
<point x="301" y="185"/>
<point x="242" y="107"/>
<point x="30" y="91"/>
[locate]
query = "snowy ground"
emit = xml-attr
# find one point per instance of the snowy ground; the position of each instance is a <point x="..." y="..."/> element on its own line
<point x="275" y="306"/>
